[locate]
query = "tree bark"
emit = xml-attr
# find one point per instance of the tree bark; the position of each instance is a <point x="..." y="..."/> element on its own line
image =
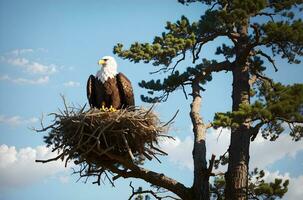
<point x="201" y="178"/>
<point x="237" y="174"/>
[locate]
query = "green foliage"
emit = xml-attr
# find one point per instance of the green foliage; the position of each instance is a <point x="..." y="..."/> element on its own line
<point x="277" y="106"/>
<point x="174" y="81"/>
<point x="284" y="38"/>
<point x="226" y="51"/>
<point x="180" y="37"/>
<point x="258" y="188"/>
<point x="281" y="5"/>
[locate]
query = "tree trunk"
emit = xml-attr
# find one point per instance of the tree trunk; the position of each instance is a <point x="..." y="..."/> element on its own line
<point x="237" y="174"/>
<point x="201" y="178"/>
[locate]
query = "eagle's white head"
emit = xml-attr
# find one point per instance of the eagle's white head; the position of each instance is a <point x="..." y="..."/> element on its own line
<point x="108" y="69"/>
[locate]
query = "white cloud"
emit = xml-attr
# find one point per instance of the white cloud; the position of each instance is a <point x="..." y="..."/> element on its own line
<point x="179" y="152"/>
<point x="17" y="120"/>
<point x="18" y="52"/>
<point x="4" y="77"/>
<point x="38" y="68"/>
<point x="41" y="80"/>
<point x="16" y="58"/>
<point x="37" y="81"/>
<point x="64" y="179"/>
<point x="18" y="61"/>
<point x="295" y="188"/>
<point x="295" y="184"/>
<point x="18" y="167"/>
<point x="217" y="143"/>
<point x="271" y="176"/>
<point x="265" y="152"/>
<point x="72" y="84"/>
<point x="32" y="67"/>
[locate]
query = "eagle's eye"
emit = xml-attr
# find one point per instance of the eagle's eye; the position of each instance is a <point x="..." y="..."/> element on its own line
<point x="105" y="59"/>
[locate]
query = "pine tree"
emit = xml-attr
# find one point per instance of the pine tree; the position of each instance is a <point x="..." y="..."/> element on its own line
<point x="259" y="30"/>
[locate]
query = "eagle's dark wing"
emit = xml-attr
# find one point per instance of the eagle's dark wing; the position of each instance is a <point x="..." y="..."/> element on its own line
<point x="126" y="91"/>
<point x="90" y="90"/>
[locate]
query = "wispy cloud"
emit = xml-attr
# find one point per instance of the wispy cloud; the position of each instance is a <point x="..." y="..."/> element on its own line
<point x="36" y="81"/>
<point x="18" y="52"/>
<point x="31" y="67"/>
<point x="18" y="167"/>
<point x="4" y="77"/>
<point x="71" y="84"/>
<point x="64" y="179"/>
<point x="16" y="120"/>
<point x="21" y="59"/>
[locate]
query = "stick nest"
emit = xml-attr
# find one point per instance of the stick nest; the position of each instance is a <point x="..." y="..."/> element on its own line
<point x="102" y="139"/>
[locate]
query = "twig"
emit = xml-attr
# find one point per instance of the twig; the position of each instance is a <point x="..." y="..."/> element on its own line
<point x="181" y="59"/>
<point x="128" y="149"/>
<point x="154" y="194"/>
<point x="266" y="14"/>
<point x="268" y="58"/>
<point x="184" y="92"/>
<point x="212" y="7"/>
<point x="52" y="159"/>
<point x="171" y="119"/>
<point x="211" y="164"/>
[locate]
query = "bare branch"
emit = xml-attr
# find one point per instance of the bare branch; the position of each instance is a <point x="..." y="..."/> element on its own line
<point x="193" y="53"/>
<point x="155" y="72"/>
<point x="181" y="59"/>
<point x="268" y="58"/>
<point x="175" y="115"/>
<point x="266" y="14"/>
<point x="52" y="159"/>
<point x="212" y="7"/>
<point x="152" y="177"/>
<point x="184" y="91"/>
<point x="199" y="50"/>
<point x="153" y="193"/>
<point x="264" y="78"/>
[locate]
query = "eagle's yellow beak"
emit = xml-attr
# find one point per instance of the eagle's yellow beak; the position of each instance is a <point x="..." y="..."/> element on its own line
<point x="101" y="62"/>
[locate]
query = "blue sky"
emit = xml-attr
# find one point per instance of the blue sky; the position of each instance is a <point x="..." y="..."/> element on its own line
<point x="50" y="48"/>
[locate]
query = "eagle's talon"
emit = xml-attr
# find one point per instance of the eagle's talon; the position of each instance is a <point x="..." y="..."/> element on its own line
<point x="112" y="109"/>
<point x="103" y="108"/>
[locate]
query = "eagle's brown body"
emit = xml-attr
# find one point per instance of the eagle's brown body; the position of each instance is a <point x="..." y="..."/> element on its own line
<point x="116" y="92"/>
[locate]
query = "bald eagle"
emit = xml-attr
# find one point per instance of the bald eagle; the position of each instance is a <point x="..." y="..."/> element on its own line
<point x="109" y="88"/>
